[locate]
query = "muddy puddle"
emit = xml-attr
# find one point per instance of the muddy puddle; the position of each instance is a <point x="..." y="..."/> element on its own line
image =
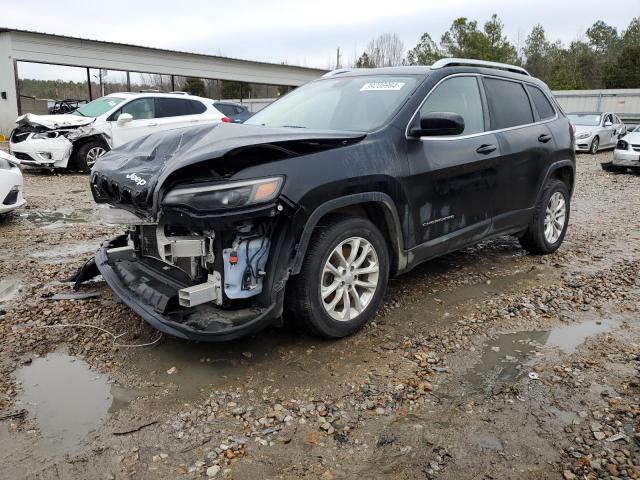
<point x="60" y="217"/>
<point x="196" y="367"/>
<point x="9" y="289"/>
<point x="66" y="400"/>
<point x="508" y="356"/>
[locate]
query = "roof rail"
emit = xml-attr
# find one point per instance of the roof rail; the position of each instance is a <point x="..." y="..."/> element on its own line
<point x="453" y="62"/>
<point x="336" y="72"/>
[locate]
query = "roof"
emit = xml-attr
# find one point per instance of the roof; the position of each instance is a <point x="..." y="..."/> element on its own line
<point x="9" y="30"/>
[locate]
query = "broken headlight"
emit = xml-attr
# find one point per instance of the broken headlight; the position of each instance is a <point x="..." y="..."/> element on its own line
<point x="50" y="134"/>
<point x="225" y="195"/>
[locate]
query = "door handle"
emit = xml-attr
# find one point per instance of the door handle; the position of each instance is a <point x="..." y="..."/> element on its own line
<point x="544" y="138"/>
<point x="486" y="149"/>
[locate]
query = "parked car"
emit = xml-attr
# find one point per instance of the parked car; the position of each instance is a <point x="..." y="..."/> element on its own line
<point x="10" y="183"/>
<point x="237" y="112"/>
<point x="80" y="138"/>
<point x="626" y="154"/>
<point x="313" y="203"/>
<point x="66" y="106"/>
<point x="596" y="131"/>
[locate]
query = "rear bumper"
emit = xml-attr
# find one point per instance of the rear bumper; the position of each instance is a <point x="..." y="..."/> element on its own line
<point x="213" y="325"/>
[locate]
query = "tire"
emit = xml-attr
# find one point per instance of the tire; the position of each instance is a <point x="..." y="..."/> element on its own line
<point x="610" y="167"/>
<point x="304" y="300"/>
<point x="595" y="144"/>
<point x="538" y="241"/>
<point x="88" y="153"/>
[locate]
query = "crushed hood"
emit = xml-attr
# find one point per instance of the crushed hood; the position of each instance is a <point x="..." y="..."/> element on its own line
<point x="54" y="121"/>
<point x="131" y="176"/>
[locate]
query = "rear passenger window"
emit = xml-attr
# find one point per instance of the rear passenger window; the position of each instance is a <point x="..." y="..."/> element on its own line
<point x="197" y="107"/>
<point x="541" y="102"/>
<point x="173" y="107"/>
<point x="459" y="95"/>
<point x="508" y="104"/>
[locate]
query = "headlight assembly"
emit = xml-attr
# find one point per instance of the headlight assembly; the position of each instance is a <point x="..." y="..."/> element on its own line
<point x="225" y="195"/>
<point x="50" y="134"/>
<point x="583" y="135"/>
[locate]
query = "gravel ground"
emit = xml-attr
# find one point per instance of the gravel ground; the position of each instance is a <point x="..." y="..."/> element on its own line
<point x="486" y="363"/>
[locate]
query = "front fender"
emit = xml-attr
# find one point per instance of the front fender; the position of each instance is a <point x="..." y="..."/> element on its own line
<point x="391" y="216"/>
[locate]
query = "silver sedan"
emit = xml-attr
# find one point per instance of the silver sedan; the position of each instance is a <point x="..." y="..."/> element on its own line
<point x="596" y="131"/>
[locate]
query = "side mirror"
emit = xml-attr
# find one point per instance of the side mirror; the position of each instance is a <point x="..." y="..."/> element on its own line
<point x="608" y="124"/>
<point x="437" y="124"/>
<point x="124" y="118"/>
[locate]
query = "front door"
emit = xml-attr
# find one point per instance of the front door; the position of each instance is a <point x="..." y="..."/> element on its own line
<point x="143" y="111"/>
<point x="454" y="179"/>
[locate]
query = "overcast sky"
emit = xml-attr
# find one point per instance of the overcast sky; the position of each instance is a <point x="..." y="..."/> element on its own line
<point x="299" y="32"/>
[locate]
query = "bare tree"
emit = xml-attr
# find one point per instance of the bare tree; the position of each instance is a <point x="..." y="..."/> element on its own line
<point x="387" y="50"/>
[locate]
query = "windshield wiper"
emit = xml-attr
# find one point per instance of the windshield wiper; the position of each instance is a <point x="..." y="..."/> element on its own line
<point x="76" y="111"/>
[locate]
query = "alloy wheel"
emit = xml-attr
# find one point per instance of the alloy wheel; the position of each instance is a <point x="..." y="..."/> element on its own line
<point x="93" y="154"/>
<point x="555" y="218"/>
<point x="349" y="279"/>
<point x="594" y="145"/>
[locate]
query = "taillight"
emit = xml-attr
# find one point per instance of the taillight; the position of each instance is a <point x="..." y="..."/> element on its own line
<point x="226" y="120"/>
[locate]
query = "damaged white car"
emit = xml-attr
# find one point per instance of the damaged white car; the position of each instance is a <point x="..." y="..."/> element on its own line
<point x="10" y="183"/>
<point x="78" y="139"/>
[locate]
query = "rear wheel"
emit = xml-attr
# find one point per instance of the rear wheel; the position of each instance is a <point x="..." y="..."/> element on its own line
<point x="550" y="220"/>
<point x="88" y="153"/>
<point x="343" y="277"/>
<point x="595" y="144"/>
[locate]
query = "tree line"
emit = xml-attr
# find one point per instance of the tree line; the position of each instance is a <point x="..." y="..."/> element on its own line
<point x="604" y="58"/>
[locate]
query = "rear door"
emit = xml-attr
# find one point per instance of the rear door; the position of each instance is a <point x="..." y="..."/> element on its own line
<point x="526" y="147"/>
<point x="180" y="112"/>
<point x="454" y="179"/>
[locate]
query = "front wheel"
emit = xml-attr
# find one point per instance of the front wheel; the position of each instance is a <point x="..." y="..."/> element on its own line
<point x="343" y="277"/>
<point x="548" y="227"/>
<point x="88" y="153"/>
<point x="595" y="144"/>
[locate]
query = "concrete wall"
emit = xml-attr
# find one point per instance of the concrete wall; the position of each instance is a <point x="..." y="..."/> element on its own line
<point x="624" y="102"/>
<point x="52" y="49"/>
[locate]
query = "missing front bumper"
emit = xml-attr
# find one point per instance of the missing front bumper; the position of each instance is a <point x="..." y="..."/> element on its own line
<point x="148" y="292"/>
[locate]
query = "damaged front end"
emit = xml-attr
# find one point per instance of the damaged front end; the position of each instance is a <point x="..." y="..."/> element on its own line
<point x="38" y="141"/>
<point x="207" y="253"/>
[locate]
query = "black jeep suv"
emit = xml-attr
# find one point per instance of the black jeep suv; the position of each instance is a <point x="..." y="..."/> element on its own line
<point x="315" y="201"/>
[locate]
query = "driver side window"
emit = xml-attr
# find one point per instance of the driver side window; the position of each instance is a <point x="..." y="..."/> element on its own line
<point x="459" y="95"/>
<point x="140" y="109"/>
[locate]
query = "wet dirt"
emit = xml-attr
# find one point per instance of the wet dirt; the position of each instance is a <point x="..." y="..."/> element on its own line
<point x="438" y="385"/>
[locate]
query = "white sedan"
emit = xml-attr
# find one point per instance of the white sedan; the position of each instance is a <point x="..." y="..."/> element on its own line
<point x="627" y="153"/>
<point x="10" y="183"/>
<point x="80" y="138"/>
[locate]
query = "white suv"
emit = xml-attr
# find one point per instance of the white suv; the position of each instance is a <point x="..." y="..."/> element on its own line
<point x="78" y="139"/>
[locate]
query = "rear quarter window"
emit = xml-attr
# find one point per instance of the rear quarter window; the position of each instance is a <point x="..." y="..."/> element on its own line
<point x="541" y="102"/>
<point x="508" y="103"/>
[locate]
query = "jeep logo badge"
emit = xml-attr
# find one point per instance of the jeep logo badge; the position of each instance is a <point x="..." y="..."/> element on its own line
<point x="135" y="178"/>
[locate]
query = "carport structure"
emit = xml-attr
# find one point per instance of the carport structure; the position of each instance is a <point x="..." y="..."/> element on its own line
<point x="25" y="47"/>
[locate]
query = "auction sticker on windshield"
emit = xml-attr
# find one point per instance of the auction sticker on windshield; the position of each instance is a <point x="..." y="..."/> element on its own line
<point x="367" y="87"/>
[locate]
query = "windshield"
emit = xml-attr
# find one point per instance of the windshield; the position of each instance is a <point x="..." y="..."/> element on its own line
<point x="586" y="119"/>
<point x="98" y="106"/>
<point x="360" y="104"/>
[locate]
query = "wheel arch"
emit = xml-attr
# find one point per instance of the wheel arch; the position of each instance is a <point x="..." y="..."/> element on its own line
<point x="377" y="207"/>
<point x="564" y="170"/>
